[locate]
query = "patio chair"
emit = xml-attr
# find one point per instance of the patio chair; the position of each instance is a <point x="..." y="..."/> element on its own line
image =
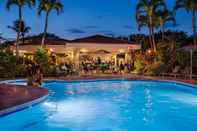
<point x="175" y="72"/>
<point x="186" y="72"/>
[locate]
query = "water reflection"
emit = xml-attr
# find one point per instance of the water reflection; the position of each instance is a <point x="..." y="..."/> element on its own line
<point x="75" y="111"/>
<point x="148" y="109"/>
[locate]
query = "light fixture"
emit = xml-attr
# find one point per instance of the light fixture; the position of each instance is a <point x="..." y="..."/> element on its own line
<point x="149" y="51"/>
<point x="121" y="50"/>
<point x="83" y="50"/>
<point x="51" y="49"/>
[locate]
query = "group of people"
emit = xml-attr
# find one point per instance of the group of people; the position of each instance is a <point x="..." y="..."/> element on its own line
<point x="65" y="68"/>
<point x="34" y="75"/>
<point x="107" y="66"/>
<point x="95" y="65"/>
<point x="125" y="67"/>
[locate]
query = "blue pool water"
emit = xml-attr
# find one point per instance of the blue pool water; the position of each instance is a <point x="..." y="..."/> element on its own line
<point x="114" y="105"/>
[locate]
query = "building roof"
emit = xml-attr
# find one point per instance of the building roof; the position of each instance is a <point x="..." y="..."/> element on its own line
<point x="188" y="48"/>
<point x="48" y="41"/>
<point x="97" y="39"/>
<point x="101" y="39"/>
<point x="36" y="40"/>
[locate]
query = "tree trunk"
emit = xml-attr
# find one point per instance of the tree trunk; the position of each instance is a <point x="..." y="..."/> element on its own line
<point x="18" y="33"/>
<point x="162" y="32"/>
<point x="153" y="38"/>
<point x="23" y="38"/>
<point x="45" y="29"/>
<point x="150" y="38"/>
<point x="152" y="33"/>
<point x="194" y="25"/>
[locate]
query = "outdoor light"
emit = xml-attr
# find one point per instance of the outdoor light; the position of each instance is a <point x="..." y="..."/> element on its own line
<point x="84" y="50"/>
<point x="130" y="48"/>
<point x="121" y="50"/>
<point x="51" y="50"/>
<point x="149" y="51"/>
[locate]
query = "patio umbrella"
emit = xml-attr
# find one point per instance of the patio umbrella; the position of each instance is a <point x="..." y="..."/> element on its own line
<point x="190" y="49"/>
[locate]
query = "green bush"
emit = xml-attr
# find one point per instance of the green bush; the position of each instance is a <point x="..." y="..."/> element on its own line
<point x="11" y="66"/>
<point x="41" y="57"/>
<point x="20" y="70"/>
<point x="155" y="68"/>
<point x="139" y="65"/>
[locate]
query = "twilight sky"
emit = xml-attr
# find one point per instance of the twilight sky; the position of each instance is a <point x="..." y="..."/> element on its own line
<point x="86" y="17"/>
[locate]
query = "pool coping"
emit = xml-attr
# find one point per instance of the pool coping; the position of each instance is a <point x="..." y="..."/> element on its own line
<point x="23" y="106"/>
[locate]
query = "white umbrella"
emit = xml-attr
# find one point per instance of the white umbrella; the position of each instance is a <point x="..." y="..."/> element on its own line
<point x="191" y="49"/>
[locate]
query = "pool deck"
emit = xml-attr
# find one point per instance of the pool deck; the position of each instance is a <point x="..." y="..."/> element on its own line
<point x="12" y="95"/>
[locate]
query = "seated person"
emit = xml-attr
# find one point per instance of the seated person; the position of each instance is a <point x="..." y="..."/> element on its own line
<point x="38" y="77"/>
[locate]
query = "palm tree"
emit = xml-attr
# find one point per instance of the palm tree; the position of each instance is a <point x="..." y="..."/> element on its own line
<point x="190" y="6"/>
<point x="24" y="30"/>
<point x="145" y="16"/>
<point x="20" y="26"/>
<point x="164" y="16"/>
<point x="47" y="6"/>
<point x="20" y="4"/>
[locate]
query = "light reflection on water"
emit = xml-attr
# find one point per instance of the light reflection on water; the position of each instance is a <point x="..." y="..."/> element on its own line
<point x="74" y="111"/>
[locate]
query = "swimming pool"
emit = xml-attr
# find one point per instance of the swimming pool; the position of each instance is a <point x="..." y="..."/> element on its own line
<point x="109" y="105"/>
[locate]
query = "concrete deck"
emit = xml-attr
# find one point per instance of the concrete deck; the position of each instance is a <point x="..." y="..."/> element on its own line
<point x="12" y="95"/>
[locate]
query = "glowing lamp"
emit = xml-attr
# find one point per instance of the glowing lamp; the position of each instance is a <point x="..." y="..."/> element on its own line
<point x="121" y="50"/>
<point x="130" y="48"/>
<point x="51" y="50"/>
<point x="149" y="51"/>
<point x="84" y="50"/>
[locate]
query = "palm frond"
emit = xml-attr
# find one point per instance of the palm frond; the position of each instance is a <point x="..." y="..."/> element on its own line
<point x="49" y="5"/>
<point x="10" y="3"/>
<point x="58" y="7"/>
<point x="31" y="3"/>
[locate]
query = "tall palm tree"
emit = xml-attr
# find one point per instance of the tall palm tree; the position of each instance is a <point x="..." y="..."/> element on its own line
<point x="20" y="4"/>
<point x="190" y="6"/>
<point x="145" y="16"/>
<point x="47" y="6"/>
<point x="164" y="16"/>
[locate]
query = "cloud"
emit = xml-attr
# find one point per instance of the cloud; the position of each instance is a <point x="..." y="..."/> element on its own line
<point x="91" y="27"/>
<point x="106" y="32"/>
<point x="75" y="31"/>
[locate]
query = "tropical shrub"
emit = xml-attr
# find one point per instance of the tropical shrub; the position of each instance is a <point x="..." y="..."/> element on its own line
<point x="46" y="60"/>
<point x="139" y="64"/>
<point x="11" y="66"/>
<point x="155" y="68"/>
<point x="41" y="57"/>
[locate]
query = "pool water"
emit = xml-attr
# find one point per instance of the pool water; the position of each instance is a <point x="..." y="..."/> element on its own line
<point x="110" y="105"/>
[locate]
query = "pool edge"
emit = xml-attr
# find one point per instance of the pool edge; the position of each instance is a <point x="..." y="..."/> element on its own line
<point x="23" y="106"/>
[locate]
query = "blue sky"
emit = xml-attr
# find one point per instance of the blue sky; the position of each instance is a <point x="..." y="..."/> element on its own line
<point x="86" y="17"/>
